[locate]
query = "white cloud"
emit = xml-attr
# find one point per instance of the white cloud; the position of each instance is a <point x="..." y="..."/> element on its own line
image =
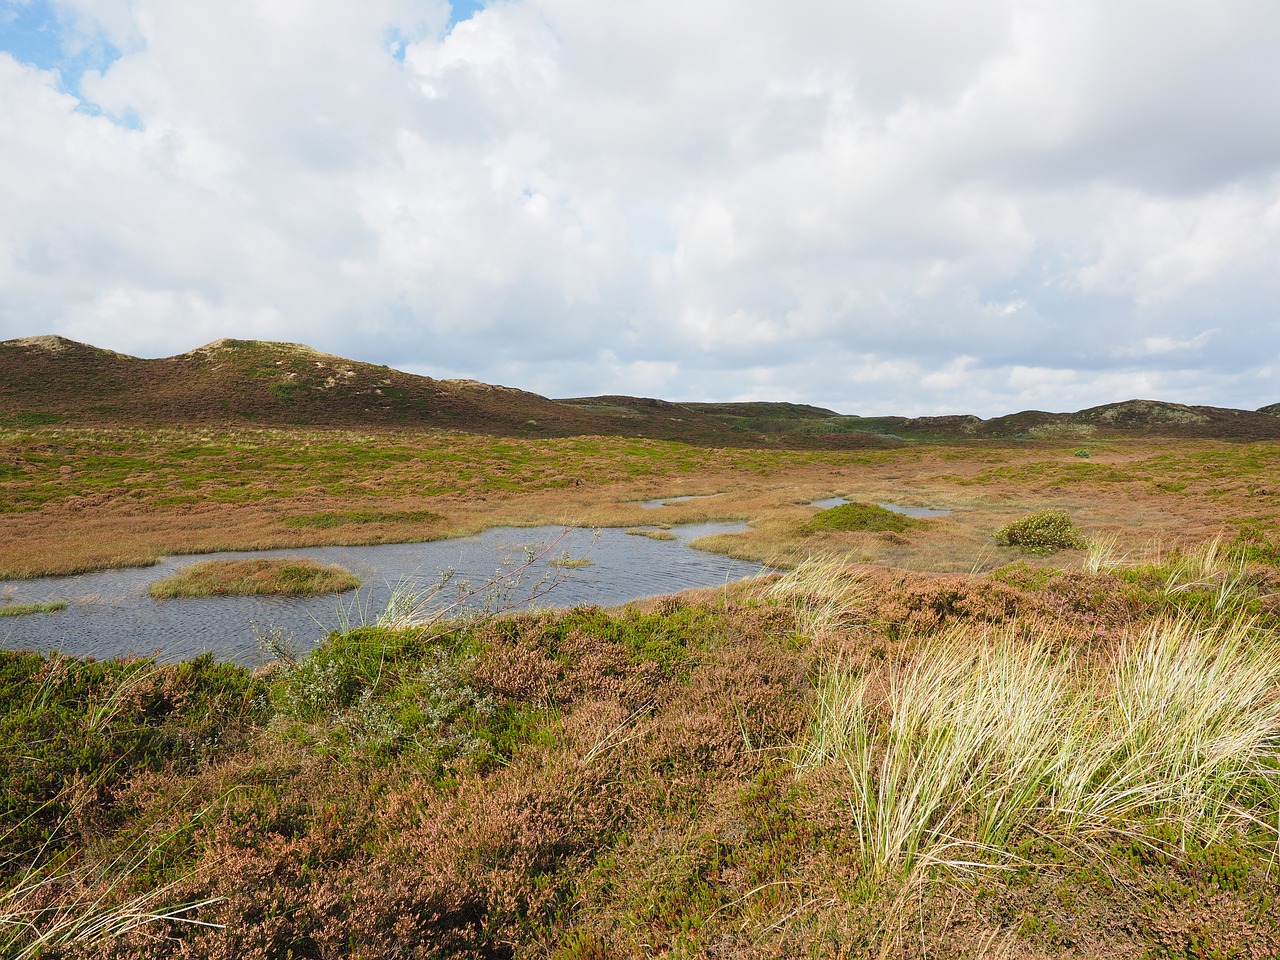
<point x="1153" y="346"/>
<point x="922" y="207"/>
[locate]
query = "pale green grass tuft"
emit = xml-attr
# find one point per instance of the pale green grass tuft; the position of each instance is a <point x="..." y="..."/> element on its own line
<point x="651" y="532"/>
<point x="24" y="609"/>
<point x="973" y="743"/>
<point x="823" y="592"/>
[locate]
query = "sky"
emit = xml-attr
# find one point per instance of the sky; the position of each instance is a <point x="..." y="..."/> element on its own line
<point x="919" y="207"/>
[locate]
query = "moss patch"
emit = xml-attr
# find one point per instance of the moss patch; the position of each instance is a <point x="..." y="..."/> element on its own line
<point x="341" y="518"/>
<point x="862" y="516"/>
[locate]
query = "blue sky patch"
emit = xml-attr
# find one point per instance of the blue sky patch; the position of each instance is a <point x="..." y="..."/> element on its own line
<point x="33" y="33"/>
<point x="464" y="10"/>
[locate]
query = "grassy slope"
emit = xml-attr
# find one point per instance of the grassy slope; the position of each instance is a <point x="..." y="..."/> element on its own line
<point x="253" y="383"/>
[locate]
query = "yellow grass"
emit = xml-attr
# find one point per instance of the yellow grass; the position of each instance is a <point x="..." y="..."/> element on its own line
<point x="295" y="576"/>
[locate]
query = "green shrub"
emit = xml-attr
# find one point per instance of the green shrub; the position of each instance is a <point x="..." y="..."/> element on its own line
<point x="1041" y="532"/>
<point x="862" y="516"/>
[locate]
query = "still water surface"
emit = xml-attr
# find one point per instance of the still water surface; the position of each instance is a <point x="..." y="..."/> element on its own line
<point x="111" y="613"/>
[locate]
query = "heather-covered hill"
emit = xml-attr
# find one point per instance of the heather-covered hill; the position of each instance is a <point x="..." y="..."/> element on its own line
<point x="54" y="380"/>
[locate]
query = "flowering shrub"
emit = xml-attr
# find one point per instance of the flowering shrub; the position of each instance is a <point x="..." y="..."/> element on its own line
<point x="1042" y="532"/>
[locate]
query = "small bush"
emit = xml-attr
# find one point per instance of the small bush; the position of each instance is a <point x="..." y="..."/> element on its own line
<point x="1042" y="532"/>
<point x="862" y="516"/>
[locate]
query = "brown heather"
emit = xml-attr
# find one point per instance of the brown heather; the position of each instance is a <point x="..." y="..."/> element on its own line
<point x="656" y="805"/>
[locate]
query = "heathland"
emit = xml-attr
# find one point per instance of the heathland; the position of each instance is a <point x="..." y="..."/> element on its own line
<point x="1044" y="724"/>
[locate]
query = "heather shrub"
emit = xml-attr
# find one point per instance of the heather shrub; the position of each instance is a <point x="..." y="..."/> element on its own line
<point x="1041" y="532"/>
<point x="70" y="727"/>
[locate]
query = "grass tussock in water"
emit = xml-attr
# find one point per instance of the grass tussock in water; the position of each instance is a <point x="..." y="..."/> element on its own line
<point x="653" y="533"/>
<point x="24" y="609"/>
<point x="291" y="577"/>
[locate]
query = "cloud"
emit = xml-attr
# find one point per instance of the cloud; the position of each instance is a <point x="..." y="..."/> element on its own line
<point x="917" y="208"/>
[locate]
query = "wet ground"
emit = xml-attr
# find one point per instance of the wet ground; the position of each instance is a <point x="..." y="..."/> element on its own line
<point x="110" y="613"/>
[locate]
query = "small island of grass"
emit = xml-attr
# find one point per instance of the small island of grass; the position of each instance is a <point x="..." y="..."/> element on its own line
<point x="862" y="516"/>
<point x="22" y="609"/>
<point x="652" y="533"/>
<point x="288" y="577"/>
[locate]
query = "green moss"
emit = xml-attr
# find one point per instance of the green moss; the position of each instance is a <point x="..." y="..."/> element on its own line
<point x="377" y="692"/>
<point x="1022" y="576"/>
<point x="66" y="722"/>
<point x="341" y="518"/>
<point x="862" y="516"/>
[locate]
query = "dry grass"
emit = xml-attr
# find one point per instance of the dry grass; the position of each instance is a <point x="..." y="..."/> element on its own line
<point x="288" y="577"/>
<point x="73" y="500"/>
<point x="653" y="533"/>
<point x="248" y="490"/>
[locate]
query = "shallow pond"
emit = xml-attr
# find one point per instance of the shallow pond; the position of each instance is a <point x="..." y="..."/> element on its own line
<point x="110" y="612"/>
<point x="661" y="502"/>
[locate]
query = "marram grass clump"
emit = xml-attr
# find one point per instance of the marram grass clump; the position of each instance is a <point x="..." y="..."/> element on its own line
<point x="1042" y="532"/>
<point x="959" y="751"/>
<point x="291" y="577"/>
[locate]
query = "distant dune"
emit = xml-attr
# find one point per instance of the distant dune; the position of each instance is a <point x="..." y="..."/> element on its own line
<point x="50" y="379"/>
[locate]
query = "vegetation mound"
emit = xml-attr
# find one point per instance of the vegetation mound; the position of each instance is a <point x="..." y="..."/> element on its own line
<point x="23" y="609"/>
<point x="1042" y="532"/>
<point x="868" y="517"/>
<point x="291" y="577"/>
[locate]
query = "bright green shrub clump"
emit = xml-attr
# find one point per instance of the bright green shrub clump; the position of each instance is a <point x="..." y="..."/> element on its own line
<point x="1041" y="532"/>
<point x="862" y="516"/>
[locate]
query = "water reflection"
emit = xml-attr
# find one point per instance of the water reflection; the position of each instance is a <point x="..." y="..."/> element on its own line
<point x="111" y="613"/>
